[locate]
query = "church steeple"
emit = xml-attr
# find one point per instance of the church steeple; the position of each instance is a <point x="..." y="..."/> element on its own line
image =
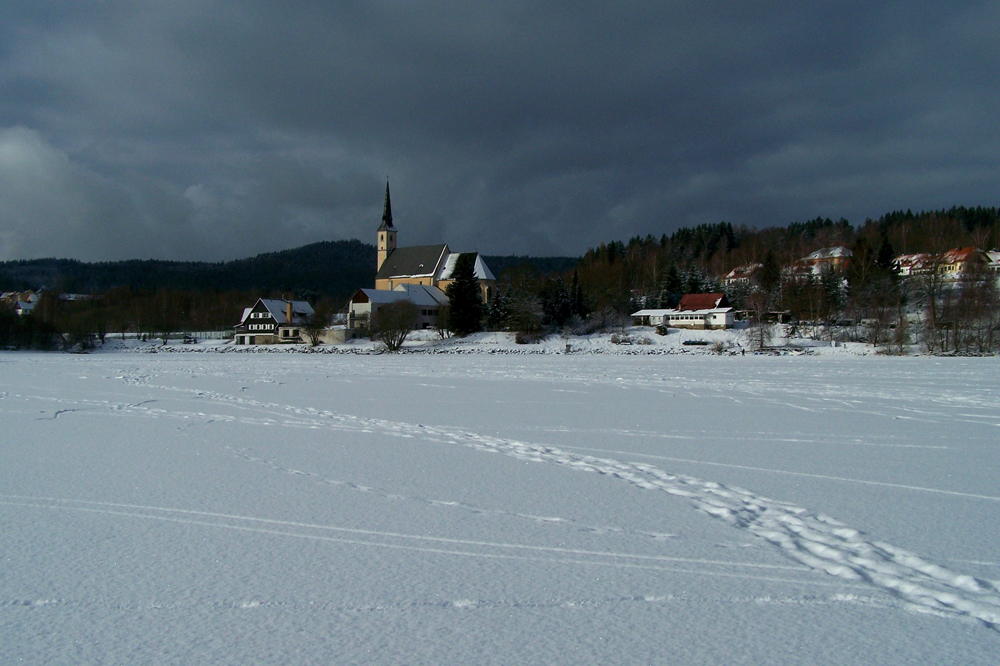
<point x="386" y="232"/>
<point x="386" y="211"/>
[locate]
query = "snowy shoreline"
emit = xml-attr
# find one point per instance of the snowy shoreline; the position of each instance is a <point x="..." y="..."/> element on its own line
<point x="640" y="341"/>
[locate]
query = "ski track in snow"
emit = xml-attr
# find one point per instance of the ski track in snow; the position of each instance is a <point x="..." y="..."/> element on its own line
<point x="450" y="504"/>
<point x="253" y="603"/>
<point x="809" y="538"/>
<point x="471" y="548"/>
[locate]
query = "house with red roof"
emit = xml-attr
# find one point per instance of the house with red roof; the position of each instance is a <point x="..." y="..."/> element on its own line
<point x="695" y="311"/>
<point x="955" y="263"/>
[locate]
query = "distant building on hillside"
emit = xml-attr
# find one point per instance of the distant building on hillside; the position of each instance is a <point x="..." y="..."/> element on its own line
<point x="837" y="258"/>
<point x="741" y="274"/>
<point x="994" y="262"/>
<point x="912" y="264"/>
<point x="960" y="261"/>
<point x="950" y="265"/>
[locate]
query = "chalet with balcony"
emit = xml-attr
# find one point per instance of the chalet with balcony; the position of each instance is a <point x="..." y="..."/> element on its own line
<point x="272" y="321"/>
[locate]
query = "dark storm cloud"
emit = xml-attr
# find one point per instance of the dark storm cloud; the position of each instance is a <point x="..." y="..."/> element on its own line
<point x="216" y="130"/>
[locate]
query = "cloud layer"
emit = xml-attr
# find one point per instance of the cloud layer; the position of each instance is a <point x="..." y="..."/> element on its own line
<point x="212" y="131"/>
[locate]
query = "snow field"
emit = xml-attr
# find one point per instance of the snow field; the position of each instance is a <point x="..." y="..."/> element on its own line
<point x="188" y="508"/>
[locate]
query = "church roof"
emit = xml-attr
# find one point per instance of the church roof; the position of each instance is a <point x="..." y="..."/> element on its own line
<point x="418" y="261"/>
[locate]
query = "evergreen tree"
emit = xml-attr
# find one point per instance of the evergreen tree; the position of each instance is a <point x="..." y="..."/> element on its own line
<point x="498" y="312"/>
<point x="466" y="303"/>
<point x="885" y="254"/>
<point x="579" y="305"/>
<point x="769" y="275"/>
<point x="557" y="302"/>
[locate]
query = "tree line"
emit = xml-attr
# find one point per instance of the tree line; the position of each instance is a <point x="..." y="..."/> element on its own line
<point x="869" y="301"/>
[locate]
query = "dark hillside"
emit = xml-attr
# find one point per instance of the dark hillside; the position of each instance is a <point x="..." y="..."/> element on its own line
<point x="334" y="269"/>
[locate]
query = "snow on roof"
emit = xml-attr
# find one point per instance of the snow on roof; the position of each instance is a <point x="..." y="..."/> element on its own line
<point x="837" y="252"/>
<point x="417" y="294"/>
<point x="743" y="272"/>
<point x="958" y="255"/>
<point x="911" y="259"/>
<point x="481" y="270"/>
<point x="301" y="310"/>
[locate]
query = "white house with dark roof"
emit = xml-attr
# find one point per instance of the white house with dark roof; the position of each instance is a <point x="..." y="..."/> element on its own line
<point x="366" y="303"/>
<point x="270" y="321"/>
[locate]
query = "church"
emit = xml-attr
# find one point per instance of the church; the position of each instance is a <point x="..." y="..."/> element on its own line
<point x="429" y="265"/>
<point x="420" y="274"/>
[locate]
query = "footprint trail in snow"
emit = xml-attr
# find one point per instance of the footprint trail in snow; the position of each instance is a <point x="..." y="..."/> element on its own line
<point x="813" y="539"/>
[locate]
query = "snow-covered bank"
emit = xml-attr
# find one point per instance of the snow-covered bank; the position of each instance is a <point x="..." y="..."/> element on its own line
<point x="631" y="342"/>
<point x="581" y="508"/>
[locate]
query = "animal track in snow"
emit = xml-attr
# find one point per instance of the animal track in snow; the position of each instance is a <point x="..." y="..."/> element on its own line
<point x="450" y="504"/>
<point x="810" y="538"/>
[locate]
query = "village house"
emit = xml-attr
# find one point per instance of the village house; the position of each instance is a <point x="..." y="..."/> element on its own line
<point x="950" y="265"/>
<point x="21" y="302"/>
<point x="828" y="258"/>
<point x="994" y="262"/>
<point x="955" y="263"/>
<point x="912" y="264"/>
<point x="695" y="311"/>
<point x="429" y="266"/>
<point x="272" y="321"/>
<point x="428" y="302"/>
<point x="741" y="275"/>
<point x="23" y="308"/>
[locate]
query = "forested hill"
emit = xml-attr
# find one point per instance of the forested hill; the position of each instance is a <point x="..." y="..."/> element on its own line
<point x="330" y="268"/>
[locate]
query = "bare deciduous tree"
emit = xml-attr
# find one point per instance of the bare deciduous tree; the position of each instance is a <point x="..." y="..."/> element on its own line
<point x="317" y="324"/>
<point x="393" y="323"/>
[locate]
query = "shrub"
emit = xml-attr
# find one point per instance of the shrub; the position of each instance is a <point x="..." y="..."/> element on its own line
<point x="526" y="338"/>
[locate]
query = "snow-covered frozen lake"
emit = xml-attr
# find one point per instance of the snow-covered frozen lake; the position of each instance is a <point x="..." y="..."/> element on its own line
<point x="448" y="509"/>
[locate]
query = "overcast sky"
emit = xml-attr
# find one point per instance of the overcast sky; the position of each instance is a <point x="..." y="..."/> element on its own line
<point x="218" y="130"/>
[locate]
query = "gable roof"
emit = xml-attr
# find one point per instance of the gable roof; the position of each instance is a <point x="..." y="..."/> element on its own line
<point x="667" y="312"/>
<point x="703" y="302"/>
<point x="482" y="271"/>
<point x="961" y="255"/>
<point x="301" y="310"/>
<point x="829" y="253"/>
<point x="417" y="294"/>
<point x="417" y="261"/>
<point x="744" y="272"/>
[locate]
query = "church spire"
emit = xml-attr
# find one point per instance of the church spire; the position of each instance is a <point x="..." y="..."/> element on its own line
<point x="386" y="232"/>
<point x="386" y="210"/>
